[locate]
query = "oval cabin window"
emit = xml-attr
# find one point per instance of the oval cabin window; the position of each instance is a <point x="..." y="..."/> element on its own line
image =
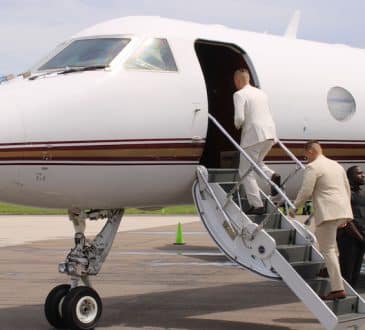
<point x="341" y="103"/>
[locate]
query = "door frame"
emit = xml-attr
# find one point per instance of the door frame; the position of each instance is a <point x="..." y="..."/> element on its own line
<point x="235" y="48"/>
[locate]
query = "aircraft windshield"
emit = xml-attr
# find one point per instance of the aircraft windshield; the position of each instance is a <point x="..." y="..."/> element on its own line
<point x="87" y="53"/>
<point x="154" y="55"/>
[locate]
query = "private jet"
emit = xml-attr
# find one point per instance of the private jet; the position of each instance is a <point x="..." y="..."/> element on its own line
<point x="138" y="112"/>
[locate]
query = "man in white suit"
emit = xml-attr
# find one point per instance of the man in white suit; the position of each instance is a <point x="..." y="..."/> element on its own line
<point x="253" y="115"/>
<point x="325" y="181"/>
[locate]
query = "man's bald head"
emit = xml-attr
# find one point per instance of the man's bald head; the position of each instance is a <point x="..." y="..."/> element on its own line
<point x="312" y="150"/>
<point x="241" y="78"/>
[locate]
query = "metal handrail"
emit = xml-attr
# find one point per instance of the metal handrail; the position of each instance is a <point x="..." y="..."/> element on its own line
<point x="291" y="155"/>
<point x="220" y="208"/>
<point x="236" y="228"/>
<point x="253" y="164"/>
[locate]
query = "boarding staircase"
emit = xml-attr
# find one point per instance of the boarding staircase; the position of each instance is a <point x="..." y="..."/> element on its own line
<point x="272" y="245"/>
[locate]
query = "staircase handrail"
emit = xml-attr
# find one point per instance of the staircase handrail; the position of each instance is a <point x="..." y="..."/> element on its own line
<point x="290" y="154"/>
<point x="212" y="194"/>
<point x="251" y="161"/>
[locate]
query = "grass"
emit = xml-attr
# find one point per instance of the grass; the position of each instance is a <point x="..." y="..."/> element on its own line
<point x="10" y="209"/>
<point x="173" y="210"/>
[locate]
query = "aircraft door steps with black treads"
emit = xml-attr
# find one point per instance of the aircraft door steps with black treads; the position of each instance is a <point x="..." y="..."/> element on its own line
<point x="272" y="246"/>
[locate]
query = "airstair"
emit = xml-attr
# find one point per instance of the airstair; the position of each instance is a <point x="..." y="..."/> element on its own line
<point x="272" y="245"/>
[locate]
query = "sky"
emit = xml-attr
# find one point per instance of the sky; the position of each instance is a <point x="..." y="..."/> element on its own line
<point x="29" y="29"/>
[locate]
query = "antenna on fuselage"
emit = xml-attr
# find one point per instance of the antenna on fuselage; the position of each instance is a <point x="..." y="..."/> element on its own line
<point x="292" y="29"/>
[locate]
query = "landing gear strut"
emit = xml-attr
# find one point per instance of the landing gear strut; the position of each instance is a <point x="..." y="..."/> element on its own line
<point x="79" y="307"/>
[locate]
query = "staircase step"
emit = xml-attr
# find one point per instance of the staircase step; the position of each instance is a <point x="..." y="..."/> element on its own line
<point x="320" y="285"/>
<point x="307" y="269"/>
<point x="344" y="306"/>
<point x="300" y="258"/>
<point x="244" y="203"/>
<point x="350" y="317"/>
<point x="295" y="253"/>
<point x="274" y="222"/>
<point x="270" y="208"/>
<point x="227" y="187"/>
<point x="223" y="175"/>
<point x="282" y="236"/>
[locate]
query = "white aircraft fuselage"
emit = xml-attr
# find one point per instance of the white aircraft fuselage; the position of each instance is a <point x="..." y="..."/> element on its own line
<point x="121" y="137"/>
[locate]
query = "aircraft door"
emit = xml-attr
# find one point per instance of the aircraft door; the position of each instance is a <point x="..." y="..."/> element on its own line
<point x="218" y="62"/>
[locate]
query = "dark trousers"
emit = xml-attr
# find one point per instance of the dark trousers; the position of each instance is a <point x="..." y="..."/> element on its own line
<point x="351" y="256"/>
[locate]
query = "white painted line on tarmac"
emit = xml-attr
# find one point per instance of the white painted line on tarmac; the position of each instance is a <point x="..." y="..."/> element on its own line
<point x="216" y="264"/>
<point x="168" y="232"/>
<point x="174" y="253"/>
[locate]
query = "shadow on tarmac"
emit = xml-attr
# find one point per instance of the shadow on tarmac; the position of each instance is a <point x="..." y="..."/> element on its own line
<point x="196" y="248"/>
<point x="188" y="248"/>
<point x="180" y="309"/>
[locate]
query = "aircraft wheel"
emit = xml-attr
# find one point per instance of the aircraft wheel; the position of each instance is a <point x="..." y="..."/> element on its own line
<point x="81" y="308"/>
<point x="53" y="306"/>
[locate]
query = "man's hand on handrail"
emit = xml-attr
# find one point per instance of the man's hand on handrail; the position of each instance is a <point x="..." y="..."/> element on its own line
<point x="292" y="213"/>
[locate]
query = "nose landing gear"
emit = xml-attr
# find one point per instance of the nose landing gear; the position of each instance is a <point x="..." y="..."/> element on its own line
<point x="53" y="305"/>
<point x="80" y="307"/>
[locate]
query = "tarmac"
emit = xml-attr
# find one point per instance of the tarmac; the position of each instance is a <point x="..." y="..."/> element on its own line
<point x="147" y="282"/>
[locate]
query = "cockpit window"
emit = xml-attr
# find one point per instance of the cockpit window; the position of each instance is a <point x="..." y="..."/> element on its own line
<point x="87" y="52"/>
<point x="154" y="55"/>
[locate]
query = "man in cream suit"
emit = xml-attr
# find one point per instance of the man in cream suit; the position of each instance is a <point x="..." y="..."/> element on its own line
<point x="325" y="181"/>
<point x="253" y="115"/>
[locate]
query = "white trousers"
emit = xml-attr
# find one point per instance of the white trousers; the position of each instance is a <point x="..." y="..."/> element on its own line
<point x="326" y="235"/>
<point x="257" y="152"/>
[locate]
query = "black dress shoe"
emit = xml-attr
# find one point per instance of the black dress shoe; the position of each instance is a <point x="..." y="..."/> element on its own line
<point x="276" y="178"/>
<point x="256" y="210"/>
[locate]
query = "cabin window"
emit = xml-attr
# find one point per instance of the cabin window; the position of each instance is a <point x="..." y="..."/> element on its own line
<point x="341" y="103"/>
<point x="154" y="55"/>
<point x="87" y="52"/>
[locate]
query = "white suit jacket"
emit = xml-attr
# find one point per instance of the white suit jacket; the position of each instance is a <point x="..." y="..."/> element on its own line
<point x="325" y="182"/>
<point x="252" y="113"/>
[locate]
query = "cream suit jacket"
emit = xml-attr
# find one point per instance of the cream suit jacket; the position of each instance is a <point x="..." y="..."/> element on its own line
<point x="252" y="113"/>
<point x="325" y="182"/>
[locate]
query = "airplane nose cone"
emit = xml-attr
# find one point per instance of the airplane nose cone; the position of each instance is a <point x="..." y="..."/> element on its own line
<point x="11" y="129"/>
<point x="11" y="136"/>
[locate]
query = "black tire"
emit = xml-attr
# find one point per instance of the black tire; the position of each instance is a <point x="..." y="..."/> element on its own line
<point x="82" y="308"/>
<point x="52" y="306"/>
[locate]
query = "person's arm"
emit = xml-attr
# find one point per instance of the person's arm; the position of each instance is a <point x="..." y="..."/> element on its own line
<point x="306" y="192"/>
<point x="239" y="110"/>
